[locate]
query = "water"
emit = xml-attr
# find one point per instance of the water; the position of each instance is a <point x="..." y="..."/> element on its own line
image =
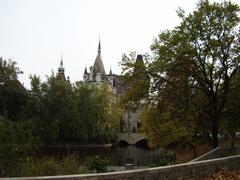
<point x="117" y="155"/>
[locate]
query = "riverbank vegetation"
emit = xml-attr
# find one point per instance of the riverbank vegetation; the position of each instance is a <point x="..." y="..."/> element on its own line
<point x="55" y="110"/>
<point x="51" y="112"/>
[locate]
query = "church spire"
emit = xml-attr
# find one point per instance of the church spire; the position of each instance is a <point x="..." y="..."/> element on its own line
<point x="85" y="71"/>
<point x="99" y="47"/>
<point x="61" y="62"/>
<point x="110" y="73"/>
<point x="61" y="68"/>
<point x="98" y="64"/>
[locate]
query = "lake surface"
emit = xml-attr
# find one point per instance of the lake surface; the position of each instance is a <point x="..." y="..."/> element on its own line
<point x="117" y="155"/>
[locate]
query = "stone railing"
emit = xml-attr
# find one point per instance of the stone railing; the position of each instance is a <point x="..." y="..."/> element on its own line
<point x="192" y="170"/>
<point x="218" y="153"/>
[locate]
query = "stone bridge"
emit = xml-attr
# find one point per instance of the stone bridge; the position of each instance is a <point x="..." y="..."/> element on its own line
<point x="130" y="138"/>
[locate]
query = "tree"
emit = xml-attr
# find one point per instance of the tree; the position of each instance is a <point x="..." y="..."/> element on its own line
<point x="38" y="109"/>
<point x="205" y="49"/>
<point x="95" y="110"/>
<point x="231" y="120"/>
<point x="13" y="95"/>
<point x="136" y="80"/>
<point x="175" y="118"/>
<point x="61" y="104"/>
<point x="17" y="144"/>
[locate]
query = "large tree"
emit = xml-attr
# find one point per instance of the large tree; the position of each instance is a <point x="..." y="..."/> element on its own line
<point x="96" y="113"/>
<point x="205" y="48"/>
<point x="136" y="80"/>
<point x="13" y="95"/>
<point x="231" y="118"/>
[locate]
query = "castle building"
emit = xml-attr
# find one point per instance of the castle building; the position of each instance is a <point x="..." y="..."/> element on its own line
<point x="96" y="76"/>
<point x="131" y="121"/>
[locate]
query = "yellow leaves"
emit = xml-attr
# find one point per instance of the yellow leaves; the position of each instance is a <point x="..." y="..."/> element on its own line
<point x="165" y="128"/>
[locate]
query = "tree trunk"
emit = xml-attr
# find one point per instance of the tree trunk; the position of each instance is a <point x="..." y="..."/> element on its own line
<point x="214" y="133"/>
<point x="194" y="150"/>
<point x="214" y="116"/>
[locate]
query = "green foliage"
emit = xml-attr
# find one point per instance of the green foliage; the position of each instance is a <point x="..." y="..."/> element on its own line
<point x="97" y="164"/>
<point x="46" y="167"/>
<point x="70" y="165"/>
<point x="8" y="70"/>
<point x="54" y="111"/>
<point x="192" y="68"/>
<point x="13" y="96"/>
<point x="17" y="144"/>
<point x="165" y="128"/>
<point x="95" y="112"/>
<point x="166" y="158"/>
<point x="65" y="112"/>
<point x="231" y="118"/>
<point x="135" y="78"/>
<point x="50" y="166"/>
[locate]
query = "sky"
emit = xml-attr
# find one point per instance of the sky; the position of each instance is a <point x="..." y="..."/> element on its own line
<point x="35" y="33"/>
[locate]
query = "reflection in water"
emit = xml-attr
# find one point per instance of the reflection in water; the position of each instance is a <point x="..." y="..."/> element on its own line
<point x="139" y="156"/>
<point x="117" y="155"/>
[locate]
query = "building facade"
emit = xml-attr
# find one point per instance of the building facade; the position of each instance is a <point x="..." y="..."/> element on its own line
<point x="96" y="76"/>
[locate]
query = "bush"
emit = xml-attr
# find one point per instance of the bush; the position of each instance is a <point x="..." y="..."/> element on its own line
<point x="70" y="165"/>
<point x="17" y="144"/>
<point x="97" y="164"/>
<point x="166" y="158"/>
<point x="50" y="166"/>
<point x="44" y="167"/>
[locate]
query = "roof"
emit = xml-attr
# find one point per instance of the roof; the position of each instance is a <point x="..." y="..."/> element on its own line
<point x="98" y="66"/>
<point x="85" y="71"/>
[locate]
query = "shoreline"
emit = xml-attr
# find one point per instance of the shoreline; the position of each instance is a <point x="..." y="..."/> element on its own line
<point x="77" y="145"/>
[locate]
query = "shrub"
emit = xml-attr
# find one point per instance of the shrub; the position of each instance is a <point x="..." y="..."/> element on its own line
<point x="50" y="166"/>
<point x="43" y="167"/>
<point x="70" y="165"/>
<point x="97" y="164"/>
<point x="166" y="158"/>
<point x="17" y="144"/>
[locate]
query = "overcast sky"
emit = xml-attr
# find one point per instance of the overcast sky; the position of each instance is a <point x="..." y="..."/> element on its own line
<point x="34" y="33"/>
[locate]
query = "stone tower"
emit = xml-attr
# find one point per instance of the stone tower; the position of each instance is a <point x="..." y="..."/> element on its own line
<point x="97" y="73"/>
<point x="61" y="69"/>
<point x="96" y="76"/>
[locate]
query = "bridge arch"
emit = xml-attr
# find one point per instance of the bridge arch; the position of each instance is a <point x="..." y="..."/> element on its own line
<point x="142" y="143"/>
<point x="122" y="143"/>
<point x="130" y="138"/>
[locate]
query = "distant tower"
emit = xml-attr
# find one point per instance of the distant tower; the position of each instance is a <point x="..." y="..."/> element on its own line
<point x="110" y="77"/>
<point x="97" y="72"/>
<point x="61" y="69"/>
<point x="85" y="75"/>
<point x="110" y="72"/>
<point x="99" y="47"/>
<point x="98" y="64"/>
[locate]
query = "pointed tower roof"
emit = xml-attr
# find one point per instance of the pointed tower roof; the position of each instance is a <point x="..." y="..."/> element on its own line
<point x="61" y="68"/>
<point x="85" y="71"/>
<point x="110" y="73"/>
<point x="99" y="47"/>
<point x="98" y="64"/>
<point x="61" y="63"/>
<point x="139" y="58"/>
<point x="140" y="69"/>
<point x="139" y="64"/>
